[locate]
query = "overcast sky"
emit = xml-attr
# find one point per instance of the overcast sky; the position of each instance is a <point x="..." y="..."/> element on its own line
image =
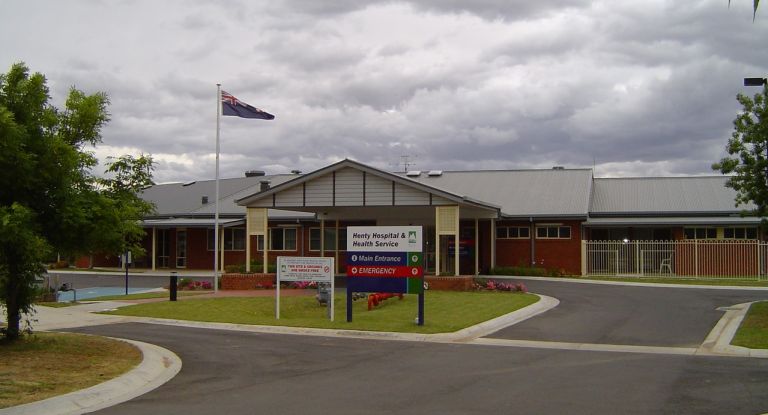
<point x="633" y="87"/>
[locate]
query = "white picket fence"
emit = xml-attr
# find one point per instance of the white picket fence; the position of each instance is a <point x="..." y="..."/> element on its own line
<point x="706" y="259"/>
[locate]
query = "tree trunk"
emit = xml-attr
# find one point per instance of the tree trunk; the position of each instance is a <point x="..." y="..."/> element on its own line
<point x="12" y="304"/>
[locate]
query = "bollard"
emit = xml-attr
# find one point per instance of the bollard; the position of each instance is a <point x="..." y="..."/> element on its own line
<point x="174" y="285"/>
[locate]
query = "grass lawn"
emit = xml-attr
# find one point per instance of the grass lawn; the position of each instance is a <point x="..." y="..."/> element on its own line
<point x="753" y="332"/>
<point x="681" y="280"/>
<point x="49" y="364"/>
<point x="444" y="311"/>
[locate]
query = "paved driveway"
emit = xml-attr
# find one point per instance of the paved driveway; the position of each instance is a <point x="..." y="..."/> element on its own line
<point x="627" y="315"/>
<point x="249" y="373"/>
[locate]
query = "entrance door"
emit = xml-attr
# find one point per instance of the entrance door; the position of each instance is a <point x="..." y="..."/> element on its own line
<point x="181" y="249"/>
<point x="163" y="247"/>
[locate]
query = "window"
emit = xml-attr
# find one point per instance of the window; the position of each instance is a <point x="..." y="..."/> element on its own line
<point x="234" y="239"/>
<point x="740" y="233"/>
<point x="330" y="239"/>
<point x="282" y="239"/>
<point x="513" y="232"/>
<point x="700" y="233"/>
<point x="553" y="232"/>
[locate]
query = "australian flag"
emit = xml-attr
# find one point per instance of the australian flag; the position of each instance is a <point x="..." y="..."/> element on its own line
<point x="233" y="106"/>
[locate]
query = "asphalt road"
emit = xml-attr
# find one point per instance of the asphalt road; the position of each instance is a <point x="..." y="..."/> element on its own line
<point x="249" y="373"/>
<point x="626" y="315"/>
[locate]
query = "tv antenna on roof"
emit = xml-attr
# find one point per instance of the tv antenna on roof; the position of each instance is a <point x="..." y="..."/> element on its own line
<point x="407" y="162"/>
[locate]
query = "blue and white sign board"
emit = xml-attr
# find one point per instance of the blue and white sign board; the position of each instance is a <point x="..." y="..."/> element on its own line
<point x="316" y="269"/>
<point x="385" y="259"/>
<point x="384" y="239"/>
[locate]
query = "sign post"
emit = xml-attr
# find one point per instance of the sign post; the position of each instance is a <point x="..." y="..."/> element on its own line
<point x="304" y="269"/>
<point x="385" y="259"/>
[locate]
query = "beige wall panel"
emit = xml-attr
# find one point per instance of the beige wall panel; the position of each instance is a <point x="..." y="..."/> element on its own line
<point x="378" y="192"/>
<point x="349" y="187"/>
<point x="290" y="197"/>
<point x="439" y="201"/>
<point x="257" y="221"/>
<point x="320" y="191"/>
<point x="447" y="219"/>
<point x="266" y="202"/>
<point x="405" y="195"/>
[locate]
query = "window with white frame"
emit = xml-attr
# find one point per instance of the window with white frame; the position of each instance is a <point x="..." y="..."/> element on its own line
<point x="513" y="232"/>
<point x="280" y="239"/>
<point x="233" y="238"/>
<point x="700" y="233"/>
<point x="740" y="233"/>
<point x="553" y="232"/>
<point x="329" y="240"/>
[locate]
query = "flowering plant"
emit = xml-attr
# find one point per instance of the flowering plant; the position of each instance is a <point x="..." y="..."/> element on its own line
<point x="481" y="284"/>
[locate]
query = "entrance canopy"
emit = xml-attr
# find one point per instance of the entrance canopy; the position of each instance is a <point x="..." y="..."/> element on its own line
<point x="351" y="191"/>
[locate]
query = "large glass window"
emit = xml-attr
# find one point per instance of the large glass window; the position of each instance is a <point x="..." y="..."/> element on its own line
<point x="330" y="239"/>
<point x="513" y="232"/>
<point x="234" y="239"/>
<point x="553" y="232"/>
<point x="740" y="233"/>
<point x="700" y="233"/>
<point x="281" y="239"/>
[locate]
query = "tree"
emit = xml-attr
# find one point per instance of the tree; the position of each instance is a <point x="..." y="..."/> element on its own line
<point x="748" y="149"/>
<point x="50" y="199"/>
<point x="755" y="3"/>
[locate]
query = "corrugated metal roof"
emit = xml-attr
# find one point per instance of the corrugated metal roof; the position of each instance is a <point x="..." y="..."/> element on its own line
<point x="521" y="192"/>
<point x="669" y="221"/>
<point x="190" y="223"/>
<point x="179" y="199"/>
<point x="663" y="195"/>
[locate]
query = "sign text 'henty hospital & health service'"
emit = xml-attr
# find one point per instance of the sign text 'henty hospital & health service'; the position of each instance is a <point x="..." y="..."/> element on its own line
<point x="389" y="239"/>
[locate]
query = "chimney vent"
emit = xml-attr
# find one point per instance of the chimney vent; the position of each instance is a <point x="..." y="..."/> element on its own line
<point x="255" y="173"/>
<point x="264" y="185"/>
<point x="204" y="199"/>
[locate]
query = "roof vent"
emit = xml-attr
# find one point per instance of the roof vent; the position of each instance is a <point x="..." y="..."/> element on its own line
<point x="413" y="173"/>
<point x="204" y="200"/>
<point x="435" y="173"/>
<point x="264" y="185"/>
<point x="255" y="173"/>
<point x="558" y="168"/>
<point x="189" y="183"/>
<point x="296" y="171"/>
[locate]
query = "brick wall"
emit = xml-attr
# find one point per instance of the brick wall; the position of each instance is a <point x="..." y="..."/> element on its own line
<point x="461" y="283"/>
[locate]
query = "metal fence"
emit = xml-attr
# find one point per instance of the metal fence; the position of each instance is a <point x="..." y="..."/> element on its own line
<point x="706" y="259"/>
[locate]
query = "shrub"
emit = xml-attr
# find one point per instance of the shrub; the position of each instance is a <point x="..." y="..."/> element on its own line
<point x="185" y="283"/>
<point x="483" y="284"/>
<point x="234" y="268"/>
<point x="523" y="271"/>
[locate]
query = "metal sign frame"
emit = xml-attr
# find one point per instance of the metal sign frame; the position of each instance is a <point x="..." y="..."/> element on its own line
<point x="317" y="269"/>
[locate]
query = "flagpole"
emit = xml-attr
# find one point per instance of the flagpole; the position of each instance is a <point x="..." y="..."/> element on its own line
<point x="216" y="217"/>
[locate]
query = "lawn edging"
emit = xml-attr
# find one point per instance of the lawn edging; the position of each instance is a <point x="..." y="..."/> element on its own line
<point x="158" y="366"/>
<point x="718" y="342"/>
<point x="467" y="334"/>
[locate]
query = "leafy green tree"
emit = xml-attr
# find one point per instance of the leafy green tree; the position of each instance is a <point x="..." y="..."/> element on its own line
<point x="755" y="3"/>
<point x="748" y="150"/>
<point x="50" y="201"/>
